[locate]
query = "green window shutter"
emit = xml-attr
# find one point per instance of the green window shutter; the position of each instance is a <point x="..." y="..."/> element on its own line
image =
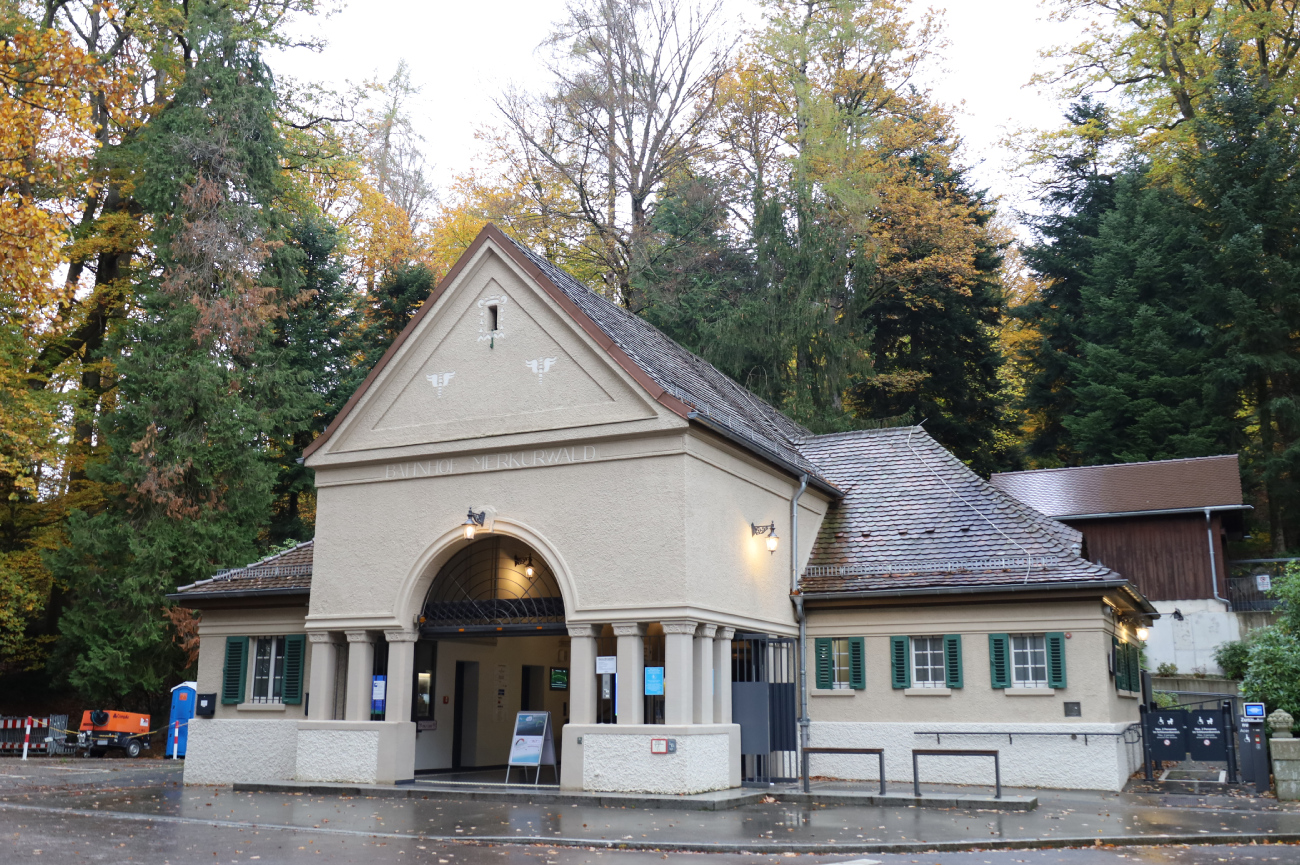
<point x="295" y="648"/>
<point x="857" y="663"/>
<point x="236" y="668"/>
<point x="899" y="650"/>
<point x="822" y="654"/>
<point x="1000" y="660"/>
<point x="1055" y="659"/>
<point x="1117" y="661"/>
<point x="1134" y="667"/>
<point x="952" y="659"/>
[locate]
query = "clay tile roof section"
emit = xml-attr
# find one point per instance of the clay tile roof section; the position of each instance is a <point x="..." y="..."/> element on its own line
<point x="914" y="517"/>
<point x="287" y="572"/>
<point x="1126" y="488"/>
<point x="710" y="393"/>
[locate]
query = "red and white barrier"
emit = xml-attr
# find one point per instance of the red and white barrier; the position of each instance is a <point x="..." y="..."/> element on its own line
<point x="176" y="738"/>
<point x="27" y="736"/>
<point x="26" y="725"/>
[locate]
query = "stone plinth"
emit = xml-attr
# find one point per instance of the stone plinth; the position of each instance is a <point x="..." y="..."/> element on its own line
<point x="1286" y="767"/>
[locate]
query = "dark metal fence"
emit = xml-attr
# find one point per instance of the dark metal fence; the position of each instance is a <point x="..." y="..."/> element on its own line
<point x="1248" y="582"/>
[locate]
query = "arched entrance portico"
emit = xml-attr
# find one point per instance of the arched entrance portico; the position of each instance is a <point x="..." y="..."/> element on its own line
<point x="492" y="643"/>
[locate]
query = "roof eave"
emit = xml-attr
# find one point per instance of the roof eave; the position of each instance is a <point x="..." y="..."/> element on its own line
<point x="771" y="456"/>
<point x="964" y="590"/>
<point x="241" y="593"/>
<point x="1155" y="513"/>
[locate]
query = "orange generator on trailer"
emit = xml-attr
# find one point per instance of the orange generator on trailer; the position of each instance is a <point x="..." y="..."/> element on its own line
<point x="102" y="729"/>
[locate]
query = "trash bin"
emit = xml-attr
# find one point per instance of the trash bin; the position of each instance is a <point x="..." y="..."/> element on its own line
<point x="183" y="703"/>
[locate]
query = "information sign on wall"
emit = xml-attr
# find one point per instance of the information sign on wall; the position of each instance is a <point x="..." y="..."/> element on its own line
<point x="654" y="681"/>
<point x="606" y="664"/>
<point x="559" y="678"/>
<point x="378" y="690"/>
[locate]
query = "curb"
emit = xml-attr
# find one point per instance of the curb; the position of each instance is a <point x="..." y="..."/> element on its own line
<point x="681" y="847"/>
<point x="827" y="799"/>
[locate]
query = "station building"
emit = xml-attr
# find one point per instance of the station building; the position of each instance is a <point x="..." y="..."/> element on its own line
<point x="538" y="502"/>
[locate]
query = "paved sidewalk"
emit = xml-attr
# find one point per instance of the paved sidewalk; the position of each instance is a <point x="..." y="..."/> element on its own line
<point x="144" y="799"/>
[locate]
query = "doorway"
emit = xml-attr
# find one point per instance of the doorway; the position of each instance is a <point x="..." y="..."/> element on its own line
<point x="532" y="690"/>
<point x="464" y="729"/>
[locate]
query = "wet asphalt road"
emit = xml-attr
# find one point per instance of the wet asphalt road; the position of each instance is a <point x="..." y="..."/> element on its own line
<point x="114" y="811"/>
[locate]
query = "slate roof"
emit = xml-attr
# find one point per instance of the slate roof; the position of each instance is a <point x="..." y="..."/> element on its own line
<point x="693" y="380"/>
<point x="914" y="517"/>
<point x="284" y="573"/>
<point x="1164" y="485"/>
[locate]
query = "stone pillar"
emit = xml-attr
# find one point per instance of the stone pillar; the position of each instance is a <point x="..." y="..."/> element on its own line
<point x="401" y="674"/>
<point x="361" y="666"/>
<point x="722" y="675"/>
<point x="324" y="672"/>
<point x="631" y="672"/>
<point x="679" y="658"/>
<point x="582" y="674"/>
<point x="702" y="696"/>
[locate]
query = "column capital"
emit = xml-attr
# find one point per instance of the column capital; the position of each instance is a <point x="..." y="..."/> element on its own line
<point x="724" y="633"/>
<point x="321" y="637"/>
<point x="629" y="629"/>
<point x="401" y="636"/>
<point x="706" y="630"/>
<point x="359" y="637"/>
<point x="582" y="630"/>
<point x="681" y="626"/>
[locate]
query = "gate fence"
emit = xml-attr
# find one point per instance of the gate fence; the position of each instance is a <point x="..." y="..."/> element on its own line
<point x="765" y="703"/>
<point x="12" y="730"/>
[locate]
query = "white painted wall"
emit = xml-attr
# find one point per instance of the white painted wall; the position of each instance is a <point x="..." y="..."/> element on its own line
<point x="1190" y="644"/>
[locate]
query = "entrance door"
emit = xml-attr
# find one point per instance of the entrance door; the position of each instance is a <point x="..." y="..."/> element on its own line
<point x="764" y="704"/>
<point x="464" y="730"/>
<point x="532" y="690"/>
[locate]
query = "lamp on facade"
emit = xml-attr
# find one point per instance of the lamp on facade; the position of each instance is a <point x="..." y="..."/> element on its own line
<point x="472" y="522"/>
<point x="527" y="562"/>
<point x="1143" y="632"/>
<point x="770" y="530"/>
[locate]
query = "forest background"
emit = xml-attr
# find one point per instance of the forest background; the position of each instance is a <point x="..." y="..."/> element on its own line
<point x="199" y="262"/>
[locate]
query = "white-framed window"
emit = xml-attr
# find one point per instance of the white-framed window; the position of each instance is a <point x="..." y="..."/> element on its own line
<point x="840" y="676"/>
<point x="268" y="670"/>
<point x="928" y="666"/>
<point x="1028" y="661"/>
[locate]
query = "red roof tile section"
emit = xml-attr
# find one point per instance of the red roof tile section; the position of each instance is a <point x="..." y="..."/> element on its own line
<point x="913" y="516"/>
<point x="1166" y="485"/>
<point x="282" y="573"/>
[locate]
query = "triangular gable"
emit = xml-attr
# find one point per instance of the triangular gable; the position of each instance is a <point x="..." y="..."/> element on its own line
<point x="450" y="376"/>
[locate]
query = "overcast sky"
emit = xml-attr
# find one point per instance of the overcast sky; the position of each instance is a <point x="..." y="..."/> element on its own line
<point x="461" y="54"/>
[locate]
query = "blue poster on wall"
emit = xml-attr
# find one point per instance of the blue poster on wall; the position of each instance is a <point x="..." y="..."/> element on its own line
<point x="654" y="681"/>
<point x="378" y="691"/>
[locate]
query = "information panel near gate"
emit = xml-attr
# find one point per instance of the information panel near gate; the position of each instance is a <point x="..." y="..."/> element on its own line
<point x="1206" y="739"/>
<point x="1165" y="734"/>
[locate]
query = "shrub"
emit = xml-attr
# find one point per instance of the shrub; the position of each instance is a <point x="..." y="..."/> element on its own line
<point x="1233" y="656"/>
<point x="1273" y="670"/>
<point x="1167" y="669"/>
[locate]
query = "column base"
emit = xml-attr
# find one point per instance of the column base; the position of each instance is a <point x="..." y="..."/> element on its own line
<point x="617" y="758"/>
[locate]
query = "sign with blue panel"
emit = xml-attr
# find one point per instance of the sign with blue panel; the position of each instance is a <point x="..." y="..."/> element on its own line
<point x="654" y="681"/>
<point x="378" y="691"/>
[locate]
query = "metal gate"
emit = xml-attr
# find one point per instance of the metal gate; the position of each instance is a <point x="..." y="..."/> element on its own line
<point x="764" y="702"/>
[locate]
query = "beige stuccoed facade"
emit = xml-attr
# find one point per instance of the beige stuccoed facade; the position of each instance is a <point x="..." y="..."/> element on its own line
<point x="506" y="401"/>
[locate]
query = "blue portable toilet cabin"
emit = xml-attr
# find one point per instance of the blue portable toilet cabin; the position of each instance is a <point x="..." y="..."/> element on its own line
<point x="183" y="702"/>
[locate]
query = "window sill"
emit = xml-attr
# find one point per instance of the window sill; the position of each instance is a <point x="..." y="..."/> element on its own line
<point x="1029" y="692"/>
<point x="1130" y="695"/>
<point x="832" y="692"/>
<point x="927" y="692"/>
<point x="261" y="707"/>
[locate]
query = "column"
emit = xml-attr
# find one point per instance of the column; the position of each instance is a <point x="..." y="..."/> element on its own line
<point x="679" y="658"/>
<point x="324" y="663"/>
<point x="722" y="675"/>
<point x="631" y="672"/>
<point x="702" y="709"/>
<point x="401" y="674"/>
<point x="582" y="674"/>
<point x="361" y="667"/>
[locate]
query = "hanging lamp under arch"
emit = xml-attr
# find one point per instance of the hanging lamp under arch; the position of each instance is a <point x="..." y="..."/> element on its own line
<point x="496" y="585"/>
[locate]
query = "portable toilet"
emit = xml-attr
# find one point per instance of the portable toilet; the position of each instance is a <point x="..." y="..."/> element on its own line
<point x="182" y="711"/>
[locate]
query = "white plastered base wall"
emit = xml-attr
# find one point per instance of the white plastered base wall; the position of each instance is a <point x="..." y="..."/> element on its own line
<point x="1104" y="762"/>
<point x="615" y="758"/>
<point x="227" y="751"/>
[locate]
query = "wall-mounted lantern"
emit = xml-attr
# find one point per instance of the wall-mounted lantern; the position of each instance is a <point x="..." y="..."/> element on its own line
<point x="472" y="522"/>
<point x="770" y="531"/>
<point x="527" y="562"/>
<point x="1143" y="632"/>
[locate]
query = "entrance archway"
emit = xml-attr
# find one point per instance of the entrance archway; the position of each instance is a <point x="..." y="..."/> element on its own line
<point x="492" y="626"/>
<point x="496" y="585"/>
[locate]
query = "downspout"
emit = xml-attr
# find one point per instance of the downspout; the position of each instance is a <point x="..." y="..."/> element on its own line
<point x="797" y="596"/>
<point x="1214" y="566"/>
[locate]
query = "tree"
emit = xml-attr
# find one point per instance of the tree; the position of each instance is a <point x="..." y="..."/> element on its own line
<point x="635" y="90"/>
